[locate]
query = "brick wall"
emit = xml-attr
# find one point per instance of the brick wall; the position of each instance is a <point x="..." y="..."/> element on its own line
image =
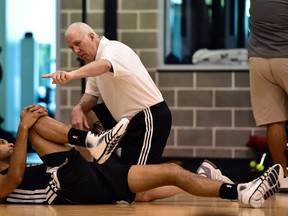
<point x="211" y="111"/>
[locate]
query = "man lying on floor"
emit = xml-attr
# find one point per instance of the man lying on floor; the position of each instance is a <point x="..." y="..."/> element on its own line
<point x="65" y="177"/>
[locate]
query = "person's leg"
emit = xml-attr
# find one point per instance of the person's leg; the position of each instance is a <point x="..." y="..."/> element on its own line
<point x="45" y="146"/>
<point x="277" y="139"/>
<point x="52" y="130"/>
<point x="157" y="193"/>
<point x="100" y="144"/>
<point x="276" y="131"/>
<point x="48" y="136"/>
<point x="147" y="135"/>
<point x="143" y="178"/>
<point x="270" y="102"/>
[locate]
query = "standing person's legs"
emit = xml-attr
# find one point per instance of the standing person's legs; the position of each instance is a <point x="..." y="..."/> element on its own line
<point x="269" y="89"/>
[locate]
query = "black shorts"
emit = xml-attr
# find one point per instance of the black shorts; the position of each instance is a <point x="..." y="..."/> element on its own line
<point x="82" y="182"/>
<point x="146" y="135"/>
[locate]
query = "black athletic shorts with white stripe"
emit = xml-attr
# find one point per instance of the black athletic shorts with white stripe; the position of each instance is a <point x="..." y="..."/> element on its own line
<point x="146" y="135"/>
<point x="80" y="182"/>
<point x="72" y="180"/>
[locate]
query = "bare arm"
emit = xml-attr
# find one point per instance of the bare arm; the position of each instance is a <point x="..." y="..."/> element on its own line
<point x="17" y="164"/>
<point x="81" y="110"/>
<point x="86" y="103"/>
<point x="94" y="68"/>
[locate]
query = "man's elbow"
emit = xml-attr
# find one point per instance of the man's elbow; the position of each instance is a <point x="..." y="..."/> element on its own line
<point x="107" y="65"/>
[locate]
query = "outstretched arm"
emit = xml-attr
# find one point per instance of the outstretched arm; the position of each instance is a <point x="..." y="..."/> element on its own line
<point x="17" y="164"/>
<point x="94" y="68"/>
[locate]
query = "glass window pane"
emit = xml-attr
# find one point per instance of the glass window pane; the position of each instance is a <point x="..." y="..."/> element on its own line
<point x="205" y="31"/>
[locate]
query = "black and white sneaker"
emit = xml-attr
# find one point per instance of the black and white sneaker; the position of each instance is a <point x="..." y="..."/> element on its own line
<point x="257" y="191"/>
<point x="102" y="144"/>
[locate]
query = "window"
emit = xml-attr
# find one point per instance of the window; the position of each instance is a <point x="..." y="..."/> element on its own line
<point x="203" y="33"/>
<point x="39" y="28"/>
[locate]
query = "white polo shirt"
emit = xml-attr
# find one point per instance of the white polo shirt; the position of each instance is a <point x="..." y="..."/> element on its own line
<point x="130" y="88"/>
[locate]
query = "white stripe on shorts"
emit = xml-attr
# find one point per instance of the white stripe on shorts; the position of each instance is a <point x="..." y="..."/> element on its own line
<point x="147" y="137"/>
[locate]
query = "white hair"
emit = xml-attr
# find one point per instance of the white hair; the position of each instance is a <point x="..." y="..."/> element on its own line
<point x="81" y="27"/>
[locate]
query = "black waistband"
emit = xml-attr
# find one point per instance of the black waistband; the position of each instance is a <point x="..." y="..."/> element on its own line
<point x="157" y="107"/>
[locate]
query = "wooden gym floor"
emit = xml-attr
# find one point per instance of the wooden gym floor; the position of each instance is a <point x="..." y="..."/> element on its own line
<point x="179" y="205"/>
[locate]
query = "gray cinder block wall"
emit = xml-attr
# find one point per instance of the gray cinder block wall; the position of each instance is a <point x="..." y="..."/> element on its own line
<point x="211" y="110"/>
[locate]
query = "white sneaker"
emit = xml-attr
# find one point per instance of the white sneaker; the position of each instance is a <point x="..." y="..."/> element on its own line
<point x="210" y="170"/>
<point x="102" y="144"/>
<point x="257" y="191"/>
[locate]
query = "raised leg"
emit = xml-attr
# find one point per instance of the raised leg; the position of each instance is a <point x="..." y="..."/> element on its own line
<point x="52" y="130"/>
<point x="43" y="146"/>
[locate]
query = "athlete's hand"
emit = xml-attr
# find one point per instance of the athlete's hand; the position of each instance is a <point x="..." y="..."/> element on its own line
<point x="79" y="119"/>
<point x="31" y="114"/>
<point x="59" y="77"/>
